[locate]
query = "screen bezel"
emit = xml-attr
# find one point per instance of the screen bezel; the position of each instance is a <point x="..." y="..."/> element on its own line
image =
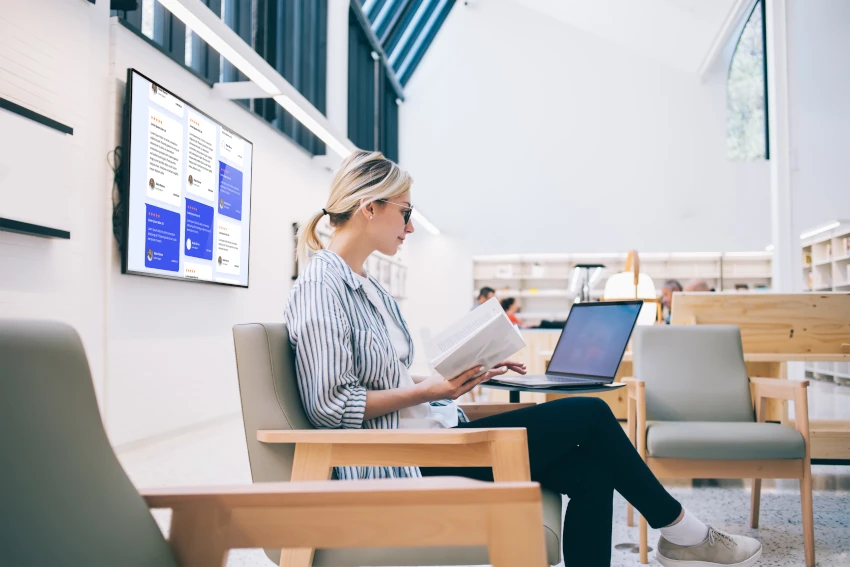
<point x="126" y="142"/>
<point x="608" y="379"/>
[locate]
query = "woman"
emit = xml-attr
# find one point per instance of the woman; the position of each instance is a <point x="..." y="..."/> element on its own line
<point x="511" y="307"/>
<point x="353" y="350"/>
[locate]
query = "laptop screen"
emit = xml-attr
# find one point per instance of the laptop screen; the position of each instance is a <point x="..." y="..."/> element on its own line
<point x="595" y="338"/>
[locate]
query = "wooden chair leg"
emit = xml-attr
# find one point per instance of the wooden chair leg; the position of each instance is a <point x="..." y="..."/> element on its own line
<point x="808" y="515"/>
<point x="195" y="538"/>
<point x="516" y="536"/>
<point x="312" y="462"/>
<point x="296" y="557"/>
<point x="630" y="515"/>
<point x="755" y="502"/>
<point x="644" y="544"/>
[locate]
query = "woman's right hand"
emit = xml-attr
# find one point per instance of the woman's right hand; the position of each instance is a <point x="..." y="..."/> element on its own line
<point x="438" y="388"/>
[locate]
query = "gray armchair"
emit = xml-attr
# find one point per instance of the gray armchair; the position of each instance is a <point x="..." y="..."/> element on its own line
<point x="283" y="446"/>
<point x="691" y="415"/>
<point x="66" y="501"/>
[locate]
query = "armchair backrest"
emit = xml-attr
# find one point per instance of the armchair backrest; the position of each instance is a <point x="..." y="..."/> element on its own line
<point x="693" y="373"/>
<point x="65" y="498"/>
<point x="268" y="388"/>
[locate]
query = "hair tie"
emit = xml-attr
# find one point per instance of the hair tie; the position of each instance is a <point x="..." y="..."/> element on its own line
<point x="324" y="212"/>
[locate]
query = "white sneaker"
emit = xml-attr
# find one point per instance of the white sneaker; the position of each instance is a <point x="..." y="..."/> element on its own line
<point x="719" y="549"/>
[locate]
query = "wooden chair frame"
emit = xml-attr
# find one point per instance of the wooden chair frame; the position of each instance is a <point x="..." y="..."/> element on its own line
<point x="318" y="451"/>
<point x="208" y="521"/>
<point x="756" y="469"/>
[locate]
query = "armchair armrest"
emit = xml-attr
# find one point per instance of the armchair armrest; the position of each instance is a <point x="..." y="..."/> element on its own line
<point x="379" y="436"/>
<point x="792" y="390"/>
<point x="477" y="410"/>
<point x="777" y="389"/>
<point x="208" y="521"/>
<point x="633" y="385"/>
<point x="318" y="451"/>
<point x="636" y="414"/>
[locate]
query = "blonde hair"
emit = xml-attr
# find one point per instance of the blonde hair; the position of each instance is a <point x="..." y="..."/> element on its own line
<point x="362" y="175"/>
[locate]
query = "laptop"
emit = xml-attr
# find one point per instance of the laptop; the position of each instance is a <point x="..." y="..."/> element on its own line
<point x="590" y="348"/>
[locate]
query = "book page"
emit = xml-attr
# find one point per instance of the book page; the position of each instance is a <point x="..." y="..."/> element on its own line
<point x="467" y="326"/>
<point x="494" y="339"/>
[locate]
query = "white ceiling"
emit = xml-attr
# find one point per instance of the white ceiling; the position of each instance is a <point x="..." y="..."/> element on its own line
<point x="677" y="32"/>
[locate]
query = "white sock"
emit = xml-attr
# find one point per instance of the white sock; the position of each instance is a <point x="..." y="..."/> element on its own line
<point x="687" y="531"/>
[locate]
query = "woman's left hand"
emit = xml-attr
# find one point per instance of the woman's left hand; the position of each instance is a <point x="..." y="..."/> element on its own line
<point x="517" y="367"/>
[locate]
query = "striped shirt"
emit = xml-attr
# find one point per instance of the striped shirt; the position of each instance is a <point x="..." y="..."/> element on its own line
<point x="342" y="349"/>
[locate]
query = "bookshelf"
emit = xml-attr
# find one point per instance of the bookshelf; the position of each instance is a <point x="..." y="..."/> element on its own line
<point x="546" y="288"/>
<point x="826" y="267"/>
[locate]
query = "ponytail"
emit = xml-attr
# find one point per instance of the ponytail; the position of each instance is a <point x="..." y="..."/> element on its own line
<point x="308" y="240"/>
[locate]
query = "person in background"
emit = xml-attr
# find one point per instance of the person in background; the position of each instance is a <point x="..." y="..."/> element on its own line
<point x="697" y="285"/>
<point x="485" y="294"/>
<point x="670" y="286"/>
<point x="511" y="307"/>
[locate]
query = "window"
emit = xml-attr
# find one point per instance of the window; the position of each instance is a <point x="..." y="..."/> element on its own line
<point x="746" y="103"/>
<point x="290" y="34"/>
<point x="292" y="37"/>
<point x="372" y="96"/>
<point x="405" y="29"/>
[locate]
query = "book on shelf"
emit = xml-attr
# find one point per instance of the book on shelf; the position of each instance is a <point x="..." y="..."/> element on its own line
<point x="483" y="337"/>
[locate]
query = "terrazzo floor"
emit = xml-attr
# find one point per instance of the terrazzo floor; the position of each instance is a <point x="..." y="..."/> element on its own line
<point x="217" y="455"/>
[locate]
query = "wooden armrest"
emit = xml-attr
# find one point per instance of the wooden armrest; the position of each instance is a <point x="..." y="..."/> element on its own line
<point x="208" y="521"/>
<point x="633" y="385"/>
<point x="327" y="492"/>
<point x="318" y="451"/>
<point x="477" y="410"/>
<point x="384" y="436"/>
<point x="777" y="389"/>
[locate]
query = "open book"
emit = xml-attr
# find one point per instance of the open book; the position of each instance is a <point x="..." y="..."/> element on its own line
<point x="483" y="337"/>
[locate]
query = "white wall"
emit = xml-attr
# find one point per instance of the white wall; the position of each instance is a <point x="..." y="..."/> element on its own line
<point x="53" y="60"/>
<point x="819" y="97"/>
<point x="438" y="276"/>
<point x="527" y="135"/>
<point x="161" y="351"/>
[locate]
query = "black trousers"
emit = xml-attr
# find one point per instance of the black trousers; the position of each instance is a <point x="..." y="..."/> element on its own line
<point x="577" y="447"/>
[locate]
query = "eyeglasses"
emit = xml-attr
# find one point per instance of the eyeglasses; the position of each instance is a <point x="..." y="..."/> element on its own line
<point x="405" y="210"/>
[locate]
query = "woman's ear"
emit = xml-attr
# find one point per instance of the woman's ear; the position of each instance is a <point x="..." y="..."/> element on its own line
<point x="367" y="208"/>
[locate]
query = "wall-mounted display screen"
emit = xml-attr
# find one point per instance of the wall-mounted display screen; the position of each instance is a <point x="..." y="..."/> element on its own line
<point x="188" y="193"/>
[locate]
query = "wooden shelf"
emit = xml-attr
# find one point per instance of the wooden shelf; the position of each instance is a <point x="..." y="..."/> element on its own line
<point x="555" y="294"/>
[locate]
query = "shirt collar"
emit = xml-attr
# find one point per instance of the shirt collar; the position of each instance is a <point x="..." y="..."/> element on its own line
<point x="348" y="275"/>
<point x="340" y="266"/>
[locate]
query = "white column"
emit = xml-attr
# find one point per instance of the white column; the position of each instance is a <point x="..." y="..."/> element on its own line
<point x="786" y="251"/>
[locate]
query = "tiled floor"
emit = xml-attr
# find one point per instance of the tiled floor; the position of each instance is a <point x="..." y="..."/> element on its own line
<point x="217" y="455"/>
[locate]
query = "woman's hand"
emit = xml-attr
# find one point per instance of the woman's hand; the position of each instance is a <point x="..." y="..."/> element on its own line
<point x="518" y="367"/>
<point x="438" y="388"/>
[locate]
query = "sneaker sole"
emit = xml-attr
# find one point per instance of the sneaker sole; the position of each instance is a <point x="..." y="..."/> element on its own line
<point x="667" y="562"/>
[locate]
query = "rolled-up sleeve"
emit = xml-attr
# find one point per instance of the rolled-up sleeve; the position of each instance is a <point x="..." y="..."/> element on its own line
<point x="332" y="395"/>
